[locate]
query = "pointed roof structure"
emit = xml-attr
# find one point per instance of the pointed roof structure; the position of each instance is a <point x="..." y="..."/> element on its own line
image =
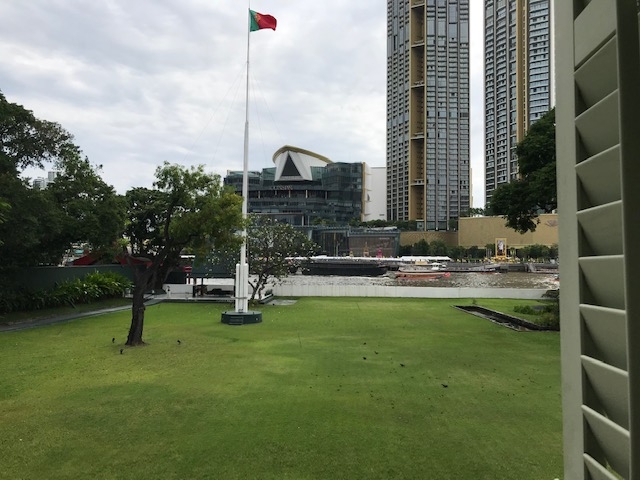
<point x="294" y="164"/>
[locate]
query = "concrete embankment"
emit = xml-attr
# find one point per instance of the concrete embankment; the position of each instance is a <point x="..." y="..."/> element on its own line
<point x="288" y="290"/>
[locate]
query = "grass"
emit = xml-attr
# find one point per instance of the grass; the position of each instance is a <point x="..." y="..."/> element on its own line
<point x="46" y="313"/>
<point x="290" y="398"/>
<point x="506" y="305"/>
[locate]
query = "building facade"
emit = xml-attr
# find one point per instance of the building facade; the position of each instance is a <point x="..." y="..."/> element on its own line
<point x="518" y="80"/>
<point x="305" y="189"/>
<point x="428" y="175"/>
<point x="41" y="183"/>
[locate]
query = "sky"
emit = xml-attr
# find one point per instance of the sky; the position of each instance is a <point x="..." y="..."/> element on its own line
<point x="141" y="82"/>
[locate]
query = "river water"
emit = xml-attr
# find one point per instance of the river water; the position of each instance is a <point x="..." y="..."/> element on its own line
<point x="466" y="279"/>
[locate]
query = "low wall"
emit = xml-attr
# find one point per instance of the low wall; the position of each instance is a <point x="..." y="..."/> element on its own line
<point x="404" y="292"/>
<point x="46" y="278"/>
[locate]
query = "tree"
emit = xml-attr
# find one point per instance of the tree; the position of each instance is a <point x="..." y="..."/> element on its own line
<point x="457" y="252"/>
<point x="438" y="247"/>
<point x="187" y="208"/>
<point x="537" y="252"/>
<point x="489" y="249"/>
<point x="475" y="252"/>
<point x="27" y="141"/>
<point x="421" y="247"/>
<point x="91" y="211"/>
<point x="31" y="226"/>
<point x="40" y="225"/>
<point x="270" y="245"/>
<point x="534" y="192"/>
<point x="4" y="208"/>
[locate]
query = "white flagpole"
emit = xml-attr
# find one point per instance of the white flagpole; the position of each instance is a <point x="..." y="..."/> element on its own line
<point x="242" y="269"/>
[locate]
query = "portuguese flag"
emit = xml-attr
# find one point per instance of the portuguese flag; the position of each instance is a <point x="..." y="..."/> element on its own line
<point x="258" y="21"/>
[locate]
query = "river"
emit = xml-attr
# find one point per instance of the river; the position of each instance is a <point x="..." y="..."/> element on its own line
<point x="466" y="279"/>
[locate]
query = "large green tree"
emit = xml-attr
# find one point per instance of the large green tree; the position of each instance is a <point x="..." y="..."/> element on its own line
<point x="534" y="192"/>
<point x="91" y="211"/>
<point x="26" y="141"/>
<point x="30" y="224"/>
<point x="40" y="225"/>
<point x="186" y="208"/>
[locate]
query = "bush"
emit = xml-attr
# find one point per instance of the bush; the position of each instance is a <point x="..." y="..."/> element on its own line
<point x="526" y="310"/>
<point x="94" y="286"/>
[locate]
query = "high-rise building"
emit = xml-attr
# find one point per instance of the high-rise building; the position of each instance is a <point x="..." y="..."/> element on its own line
<point x="518" y="80"/>
<point x="41" y="183"/>
<point x="428" y="112"/>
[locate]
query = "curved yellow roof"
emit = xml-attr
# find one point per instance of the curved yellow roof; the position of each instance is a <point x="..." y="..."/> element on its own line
<point x="299" y="150"/>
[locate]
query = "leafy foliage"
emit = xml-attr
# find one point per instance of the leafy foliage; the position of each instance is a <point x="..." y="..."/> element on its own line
<point x="187" y="208"/>
<point x="457" y="252"/>
<point x="438" y="247"/>
<point x="421" y="247"/>
<point x="521" y="201"/>
<point x="270" y="244"/>
<point x="91" y="211"/>
<point x="27" y="141"/>
<point x="94" y="286"/>
<point x="32" y="225"/>
<point x="539" y="253"/>
<point x="40" y="225"/>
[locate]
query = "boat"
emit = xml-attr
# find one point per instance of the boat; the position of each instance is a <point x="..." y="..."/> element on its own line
<point x="347" y="266"/>
<point x="423" y="267"/>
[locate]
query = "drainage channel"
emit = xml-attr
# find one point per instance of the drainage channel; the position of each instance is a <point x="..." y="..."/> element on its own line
<point x="508" y="321"/>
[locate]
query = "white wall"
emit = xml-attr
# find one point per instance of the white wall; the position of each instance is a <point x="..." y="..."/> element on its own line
<point x="403" y="292"/>
<point x="375" y="193"/>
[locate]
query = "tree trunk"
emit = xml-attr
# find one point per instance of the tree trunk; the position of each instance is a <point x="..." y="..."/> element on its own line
<point x="137" y="316"/>
<point x="142" y="282"/>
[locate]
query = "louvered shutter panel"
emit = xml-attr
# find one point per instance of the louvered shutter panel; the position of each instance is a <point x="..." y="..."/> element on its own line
<point x="598" y="141"/>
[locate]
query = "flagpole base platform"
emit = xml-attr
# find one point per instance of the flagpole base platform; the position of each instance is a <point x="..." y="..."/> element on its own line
<point x="241" y="318"/>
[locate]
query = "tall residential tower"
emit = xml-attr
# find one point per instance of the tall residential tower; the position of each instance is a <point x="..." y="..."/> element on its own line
<point x="518" y="80"/>
<point x="428" y="176"/>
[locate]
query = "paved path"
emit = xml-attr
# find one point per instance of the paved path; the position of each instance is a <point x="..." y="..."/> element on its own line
<point x="74" y="316"/>
<point x="58" y="319"/>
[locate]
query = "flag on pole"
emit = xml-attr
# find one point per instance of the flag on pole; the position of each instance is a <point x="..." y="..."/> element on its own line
<point x="258" y="21"/>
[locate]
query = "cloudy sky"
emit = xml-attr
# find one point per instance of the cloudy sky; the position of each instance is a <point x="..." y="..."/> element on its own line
<point x="140" y="82"/>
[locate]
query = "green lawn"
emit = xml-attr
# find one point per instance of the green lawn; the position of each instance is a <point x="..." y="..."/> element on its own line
<point x="506" y="305"/>
<point x="46" y="313"/>
<point x="330" y="388"/>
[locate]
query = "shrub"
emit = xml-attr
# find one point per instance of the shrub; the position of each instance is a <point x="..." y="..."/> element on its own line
<point x="94" y="286"/>
<point x="526" y="310"/>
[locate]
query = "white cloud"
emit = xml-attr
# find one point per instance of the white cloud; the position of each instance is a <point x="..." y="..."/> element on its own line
<point x="138" y="83"/>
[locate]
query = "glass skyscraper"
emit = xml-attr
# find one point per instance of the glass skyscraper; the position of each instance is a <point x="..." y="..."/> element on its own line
<point x="518" y="80"/>
<point x="428" y="176"/>
<point x="305" y="188"/>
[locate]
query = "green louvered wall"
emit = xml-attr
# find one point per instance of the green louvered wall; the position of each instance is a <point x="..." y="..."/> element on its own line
<point x="598" y="138"/>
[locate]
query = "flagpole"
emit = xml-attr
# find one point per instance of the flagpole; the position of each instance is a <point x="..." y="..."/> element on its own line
<point x="242" y="315"/>
<point x="242" y="269"/>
